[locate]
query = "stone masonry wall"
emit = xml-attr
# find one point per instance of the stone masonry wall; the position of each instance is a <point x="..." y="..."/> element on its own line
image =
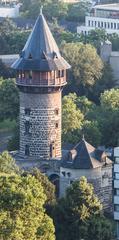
<point x="45" y="124"/>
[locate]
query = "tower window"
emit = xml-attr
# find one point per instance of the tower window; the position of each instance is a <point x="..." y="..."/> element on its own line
<point x="27" y="152"/>
<point x="56" y="125"/>
<point x="27" y="127"/>
<point x="56" y="111"/>
<point x="30" y="74"/>
<point x="52" y="150"/>
<point x="62" y="73"/>
<point x="58" y="74"/>
<point x="27" y="111"/>
<point x="23" y="75"/>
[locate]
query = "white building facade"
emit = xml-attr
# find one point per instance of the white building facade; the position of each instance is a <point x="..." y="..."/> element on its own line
<point x="9" y="11"/>
<point x="116" y="188"/>
<point x="103" y="17"/>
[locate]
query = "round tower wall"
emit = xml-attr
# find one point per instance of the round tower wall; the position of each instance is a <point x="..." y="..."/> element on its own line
<point x="40" y="125"/>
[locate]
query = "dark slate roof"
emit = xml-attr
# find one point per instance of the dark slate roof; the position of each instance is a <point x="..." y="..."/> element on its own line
<point x="41" y="51"/>
<point x="85" y="156"/>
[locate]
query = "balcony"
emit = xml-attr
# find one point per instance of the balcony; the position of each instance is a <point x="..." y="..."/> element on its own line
<point x="41" y="82"/>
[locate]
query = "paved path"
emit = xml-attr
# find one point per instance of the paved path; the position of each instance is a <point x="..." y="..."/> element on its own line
<point x="4" y="138"/>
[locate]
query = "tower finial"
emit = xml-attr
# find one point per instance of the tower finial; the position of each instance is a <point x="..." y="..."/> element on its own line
<point x="41" y="10"/>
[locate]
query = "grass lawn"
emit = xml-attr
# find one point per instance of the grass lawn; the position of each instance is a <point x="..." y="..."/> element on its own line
<point x="7" y="125"/>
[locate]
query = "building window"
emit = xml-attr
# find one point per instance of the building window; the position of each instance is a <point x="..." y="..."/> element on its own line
<point x="108" y="25"/>
<point x="23" y="75"/>
<point x="27" y="127"/>
<point x="58" y="74"/>
<point x="30" y="74"/>
<point x="69" y="174"/>
<point x="98" y="24"/>
<point x="56" y="111"/>
<point x="56" y="125"/>
<point x="63" y="173"/>
<point x="27" y="111"/>
<point x="62" y="73"/>
<point x="111" y="25"/>
<point x="114" y="25"/>
<point x="89" y="23"/>
<point x="27" y="152"/>
<point x="52" y="150"/>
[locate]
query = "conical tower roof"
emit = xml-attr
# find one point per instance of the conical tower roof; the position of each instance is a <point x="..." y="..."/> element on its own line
<point x="40" y="52"/>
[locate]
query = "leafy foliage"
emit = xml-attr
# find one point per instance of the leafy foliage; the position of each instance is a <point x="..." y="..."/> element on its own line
<point x="72" y="116"/>
<point x="7" y="164"/>
<point x="9" y="99"/>
<point x="86" y="64"/>
<point x="22" y="215"/>
<point x="78" y="215"/>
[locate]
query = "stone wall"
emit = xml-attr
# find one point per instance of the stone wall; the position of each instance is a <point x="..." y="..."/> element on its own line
<point x="44" y="120"/>
<point x="101" y="178"/>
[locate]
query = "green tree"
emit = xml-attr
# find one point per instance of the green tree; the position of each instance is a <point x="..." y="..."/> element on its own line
<point x="106" y="82"/>
<point x="7" y="164"/>
<point x="6" y="27"/>
<point x="22" y="215"/>
<point x="78" y="11"/>
<point x="92" y="132"/>
<point x="71" y="115"/>
<point x="48" y="187"/>
<point x="73" y="212"/>
<point x="9" y="99"/>
<point x="86" y="64"/>
<point x="56" y="9"/>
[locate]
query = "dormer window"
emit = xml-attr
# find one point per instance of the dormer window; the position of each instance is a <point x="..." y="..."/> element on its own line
<point x="54" y="55"/>
<point x="30" y="56"/>
<point x="43" y="56"/>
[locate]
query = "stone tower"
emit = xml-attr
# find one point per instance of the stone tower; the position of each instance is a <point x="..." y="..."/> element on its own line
<point x="41" y="75"/>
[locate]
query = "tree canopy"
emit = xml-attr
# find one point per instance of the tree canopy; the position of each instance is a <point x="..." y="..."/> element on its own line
<point x="7" y="164"/>
<point x="76" y="212"/>
<point x="86" y="64"/>
<point x="22" y="215"/>
<point x="9" y="99"/>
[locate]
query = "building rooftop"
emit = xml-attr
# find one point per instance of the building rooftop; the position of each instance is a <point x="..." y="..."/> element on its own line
<point x="41" y="52"/>
<point x="111" y="7"/>
<point x="85" y="156"/>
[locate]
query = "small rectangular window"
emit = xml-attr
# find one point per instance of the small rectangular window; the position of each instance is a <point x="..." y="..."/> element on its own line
<point x="27" y="127"/>
<point x="27" y="111"/>
<point x="56" y="111"/>
<point x="56" y="125"/>
<point x="27" y="152"/>
<point x="52" y="150"/>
